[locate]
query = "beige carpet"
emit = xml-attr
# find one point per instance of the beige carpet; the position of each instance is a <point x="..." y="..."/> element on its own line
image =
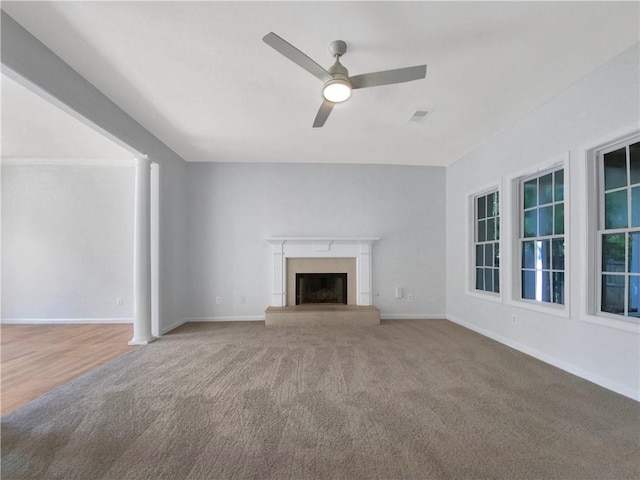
<point x="406" y="399"/>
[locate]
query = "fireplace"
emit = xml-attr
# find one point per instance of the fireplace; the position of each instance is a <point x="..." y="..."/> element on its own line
<point x="321" y="288"/>
<point x="291" y="255"/>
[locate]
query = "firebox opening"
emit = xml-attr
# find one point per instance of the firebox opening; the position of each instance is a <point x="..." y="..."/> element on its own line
<point x="321" y="288"/>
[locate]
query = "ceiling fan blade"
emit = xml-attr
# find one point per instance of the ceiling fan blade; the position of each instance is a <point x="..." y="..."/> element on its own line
<point x="296" y="56"/>
<point x="323" y="113"/>
<point x="389" y="77"/>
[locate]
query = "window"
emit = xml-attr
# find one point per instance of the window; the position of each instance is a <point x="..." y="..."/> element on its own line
<point x="619" y="229"/>
<point x="486" y="242"/>
<point x="541" y="239"/>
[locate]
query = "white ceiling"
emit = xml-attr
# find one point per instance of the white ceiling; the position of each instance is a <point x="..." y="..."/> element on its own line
<point x="198" y="76"/>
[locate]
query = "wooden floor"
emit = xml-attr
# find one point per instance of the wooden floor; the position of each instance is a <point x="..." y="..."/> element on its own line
<point x="35" y="359"/>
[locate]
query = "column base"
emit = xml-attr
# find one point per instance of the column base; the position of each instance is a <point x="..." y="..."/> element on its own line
<point x="143" y="341"/>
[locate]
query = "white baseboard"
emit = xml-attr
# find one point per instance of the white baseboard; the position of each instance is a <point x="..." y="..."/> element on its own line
<point x="561" y="364"/>
<point x="241" y="318"/>
<point x="412" y="316"/>
<point x="63" y="321"/>
<point x="173" y="326"/>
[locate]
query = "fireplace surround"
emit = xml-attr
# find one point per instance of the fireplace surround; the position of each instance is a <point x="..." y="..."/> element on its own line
<point x="356" y="250"/>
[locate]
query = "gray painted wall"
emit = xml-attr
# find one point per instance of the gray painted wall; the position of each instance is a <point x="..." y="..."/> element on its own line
<point x="28" y="61"/>
<point x="596" y="109"/>
<point x="233" y="208"/>
<point x="67" y="250"/>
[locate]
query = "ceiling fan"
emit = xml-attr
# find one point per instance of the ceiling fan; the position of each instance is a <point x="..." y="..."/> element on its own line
<point x="337" y="84"/>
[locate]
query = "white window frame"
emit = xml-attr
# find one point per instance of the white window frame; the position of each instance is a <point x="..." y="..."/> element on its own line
<point x="560" y="161"/>
<point x="471" y="264"/>
<point x="599" y="231"/>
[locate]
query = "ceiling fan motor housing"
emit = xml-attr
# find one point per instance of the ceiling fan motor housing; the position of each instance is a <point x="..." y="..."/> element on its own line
<point x="337" y="47"/>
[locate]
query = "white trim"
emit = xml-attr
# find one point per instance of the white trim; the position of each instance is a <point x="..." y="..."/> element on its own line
<point x="596" y="193"/>
<point x="66" y="162"/>
<point x="359" y="248"/>
<point x="561" y="364"/>
<point x="490" y="296"/>
<point x="608" y="321"/>
<point x="413" y="316"/>
<point x="52" y="321"/>
<point x="543" y="307"/>
<point x="470" y="258"/>
<point x="556" y="162"/>
<point x="240" y="318"/>
<point x="588" y="153"/>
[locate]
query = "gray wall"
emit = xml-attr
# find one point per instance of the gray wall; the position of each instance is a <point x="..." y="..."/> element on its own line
<point x="596" y="109"/>
<point x="67" y="250"/>
<point x="28" y="61"/>
<point x="233" y="208"/>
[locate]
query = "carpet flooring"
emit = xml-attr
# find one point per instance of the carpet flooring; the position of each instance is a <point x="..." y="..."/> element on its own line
<point x="402" y="400"/>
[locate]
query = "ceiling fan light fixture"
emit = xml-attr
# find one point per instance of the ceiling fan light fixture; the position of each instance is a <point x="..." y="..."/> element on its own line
<point x="336" y="90"/>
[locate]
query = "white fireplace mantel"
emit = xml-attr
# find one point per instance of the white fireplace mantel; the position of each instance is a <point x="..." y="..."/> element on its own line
<point x="319" y="247"/>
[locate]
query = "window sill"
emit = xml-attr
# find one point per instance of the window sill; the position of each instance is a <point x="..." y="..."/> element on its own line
<point x="490" y="296"/>
<point x="542" y="307"/>
<point x="610" y="322"/>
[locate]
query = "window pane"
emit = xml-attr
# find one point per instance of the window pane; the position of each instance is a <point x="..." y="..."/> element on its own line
<point x="559" y="186"/>
<point x="496" y="254"/>
<point x="615" y="210"/>
<point x="546" y="221"/>
<point x="613" y="253"/>
<point x="479" y="255"/>
<point x="490" y="206"/>
<point x="635" y="207"/>
<point x="488" y="254"/>
<point x="497" y="205"/>
<point x="546" y="189"/>
<point x="496" y="280"/>
<point x="488" y="279"/>
<point x="558" y="287"/>
<point x="634" y="253"/>
<point x="529" y="285"/>
<point x="558" y="219"/>
<point x="634" y="158"/>
<point x="528" y="255"/>
<point x="544" y="254"/>
<point x="482" y="235"/>
<point x="545" y="281"/>
<point x="531" y="193"/>
<point x="613" y="294"/>
<point x="557" y="254"/>
<point x="491" y="229"/>
<point x="615" y="169"/>
<point x="479" y="279"/>
<point x="481" y="207"/>
<point x="634" y="286"/>
<point x="531" y="223"/>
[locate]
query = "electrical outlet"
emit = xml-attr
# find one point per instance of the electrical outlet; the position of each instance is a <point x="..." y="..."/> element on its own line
<point x="410" y="298"/>
<point x="119" y="301"/>
<point x="218" y="300"/>
<point x="514" y="319"/>
<point x="243" y="300"/>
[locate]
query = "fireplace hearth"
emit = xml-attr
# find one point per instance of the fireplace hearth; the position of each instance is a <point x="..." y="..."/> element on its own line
<point x="321" y="288"/>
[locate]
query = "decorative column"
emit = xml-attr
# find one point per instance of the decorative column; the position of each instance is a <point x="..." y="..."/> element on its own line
<point x="142" y="254"/>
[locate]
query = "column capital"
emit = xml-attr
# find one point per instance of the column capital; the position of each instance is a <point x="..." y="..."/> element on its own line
<point x="142" y="160"/>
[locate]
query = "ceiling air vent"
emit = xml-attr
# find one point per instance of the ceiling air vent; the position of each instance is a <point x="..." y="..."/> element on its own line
<point x="418" y="116"/>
